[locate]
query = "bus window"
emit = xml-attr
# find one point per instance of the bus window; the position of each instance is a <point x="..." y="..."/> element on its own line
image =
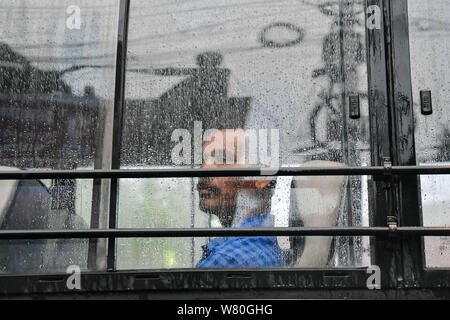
<point x="57" y="71"/>
<point x="281" y="72"/>
<point x="430" y="63"/>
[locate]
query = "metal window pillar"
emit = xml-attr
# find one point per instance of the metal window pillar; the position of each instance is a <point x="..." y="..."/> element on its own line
<point x="392" y="125"/>
<point x="406" y="188"/>
<point x="119" y="100"/>
<point x="381" y="143"/>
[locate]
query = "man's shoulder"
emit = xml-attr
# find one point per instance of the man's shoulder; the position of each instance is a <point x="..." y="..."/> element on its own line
<point x="249" y="241"/>
<point x="251" y="251"/>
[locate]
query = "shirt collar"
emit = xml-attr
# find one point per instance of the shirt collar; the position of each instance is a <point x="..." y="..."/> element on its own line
<point x="256" y="221"/>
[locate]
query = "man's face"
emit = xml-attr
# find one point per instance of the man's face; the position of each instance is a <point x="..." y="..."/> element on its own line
<point x="218" y="194"/>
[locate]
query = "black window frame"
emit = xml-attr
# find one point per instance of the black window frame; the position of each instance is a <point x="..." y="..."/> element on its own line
<point x="397" y="242"/>
<point x="413" y="271"/>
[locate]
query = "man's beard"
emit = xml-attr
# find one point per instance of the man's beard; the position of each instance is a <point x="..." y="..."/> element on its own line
<point x="223" y="212"/>
<point x="248" y="202"/>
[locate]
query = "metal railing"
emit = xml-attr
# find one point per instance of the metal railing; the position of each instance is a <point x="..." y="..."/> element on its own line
<point x="221" y="232"/>
<point x="240" y="172"/>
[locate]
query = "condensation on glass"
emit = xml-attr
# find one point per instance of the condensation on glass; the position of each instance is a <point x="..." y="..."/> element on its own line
<point x="429" y="23"/>
<point x="287" y="67"/>
<point x="57" y="71"/>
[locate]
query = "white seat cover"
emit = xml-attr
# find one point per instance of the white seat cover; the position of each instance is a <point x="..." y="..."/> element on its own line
<point x="318" y="200"/>
<point x="7" y="191"/>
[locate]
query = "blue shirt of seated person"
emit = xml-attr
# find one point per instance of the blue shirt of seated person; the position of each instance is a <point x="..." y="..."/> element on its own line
<point x="244" y="252"/>
<point x="240" y="202"/>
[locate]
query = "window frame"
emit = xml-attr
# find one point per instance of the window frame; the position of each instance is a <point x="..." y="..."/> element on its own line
<point x="394" y="195"/>
<point x="414" y="272"/>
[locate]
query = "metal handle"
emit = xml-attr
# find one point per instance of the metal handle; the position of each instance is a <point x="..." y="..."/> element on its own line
<point x="426" y="104"/>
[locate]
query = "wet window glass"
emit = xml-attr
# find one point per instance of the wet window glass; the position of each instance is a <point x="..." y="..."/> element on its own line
<point x="279" y="77"/>
<point x="430" y="60"/>
<point x="57" y="71"/>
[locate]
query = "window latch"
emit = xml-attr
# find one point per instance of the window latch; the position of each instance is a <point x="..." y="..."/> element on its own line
<point x="387" y="172"/>
<point x="354" y="106"/>
<point x="392" y="223"/>
<point x="426" y="104"/>
<point x="387" y="165"/>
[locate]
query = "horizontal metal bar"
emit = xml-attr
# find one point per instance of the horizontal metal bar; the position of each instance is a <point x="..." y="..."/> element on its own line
<point x="220" y="232"/>
<point x="173" y="280"/>
<point x="239" y="172"/>
<point x="274" y="283"/>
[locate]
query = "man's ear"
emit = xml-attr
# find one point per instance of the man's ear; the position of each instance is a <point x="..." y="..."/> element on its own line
<point x="261" y="184"/>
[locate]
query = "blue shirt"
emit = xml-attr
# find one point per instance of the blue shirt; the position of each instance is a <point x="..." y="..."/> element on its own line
<point x="244" y="252"/>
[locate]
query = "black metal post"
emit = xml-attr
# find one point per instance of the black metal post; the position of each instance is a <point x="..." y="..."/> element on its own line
<point x="380" y="128"/>
<point x="406" y="187"/>
<point x="119" y="99"/>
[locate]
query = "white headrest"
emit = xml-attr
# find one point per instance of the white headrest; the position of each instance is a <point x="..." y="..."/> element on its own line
<point x="318" y="200"/>
<point x="7" y="191"/>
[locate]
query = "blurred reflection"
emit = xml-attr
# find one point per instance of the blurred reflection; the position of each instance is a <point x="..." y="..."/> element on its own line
<point x="57" y="74"/>
<point x="240" y="203"/>
<point x="17" y="75"/>
<point x="42" y="123"/>
<point x="343" y="53"/>
<point x="38" y="119"/>
<point x="202" y="96"/>
<point x="26" y="205"/>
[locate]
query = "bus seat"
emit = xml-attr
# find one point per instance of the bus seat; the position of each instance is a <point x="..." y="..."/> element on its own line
<point x="7" y="190"/>
<point x="25" y="204"/>
<point x="318" y="199"/>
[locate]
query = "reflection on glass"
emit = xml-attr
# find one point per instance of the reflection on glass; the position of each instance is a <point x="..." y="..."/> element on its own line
<point x="282" y="72"/>
<point x="56" y="95"/>
<point x="430" y="61"/>
<point x="29" y="205"/>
